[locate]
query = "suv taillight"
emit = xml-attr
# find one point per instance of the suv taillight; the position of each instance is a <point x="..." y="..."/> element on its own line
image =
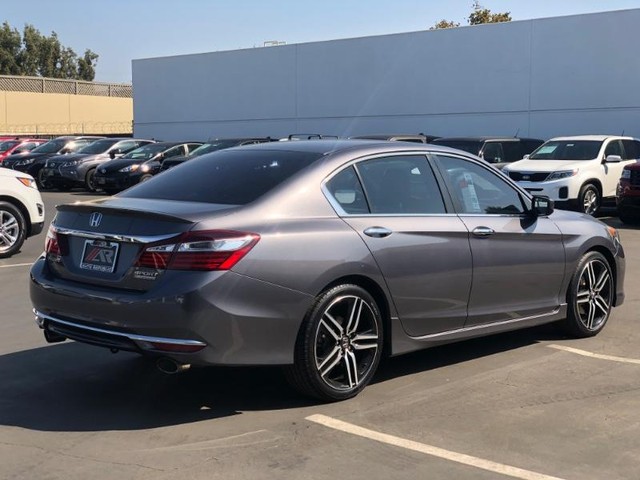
<point x="200" y="250"/>
<point x="51" y="244"/>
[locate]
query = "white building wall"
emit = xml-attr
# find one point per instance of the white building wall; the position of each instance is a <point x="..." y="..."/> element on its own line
<point x="541" y="78"/>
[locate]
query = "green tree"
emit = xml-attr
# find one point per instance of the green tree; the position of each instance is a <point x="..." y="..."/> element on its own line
<point x="478" y="16"/>
<point x="35" y="54"/>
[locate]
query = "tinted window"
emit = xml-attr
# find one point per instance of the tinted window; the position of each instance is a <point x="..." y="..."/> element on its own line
<point x="146" y="152"/>
<point x="175" y="151"/>
<point x="400" y="185"/>
<point x="214" y="146"/>
<point x="226" y="177"/>
<point x="492" y="152"/>
<point x="567" y="150"/>
<point x="470" y="146"/>
<point x="100" y="146"/>
<point x="529" y="146"/>
<point x="53" y="146"/>
<point x="614" y="147"/>
<point x="512" y="151"/>
<point x="631" y="151"/>
<point x="4" y="146"/>
<point x="476" y="190"/>
<point x="345" y="188"/>
<point x="128" y="145"/>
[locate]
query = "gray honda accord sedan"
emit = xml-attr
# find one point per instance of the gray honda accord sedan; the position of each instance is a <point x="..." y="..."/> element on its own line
<point x="320" y="256"/>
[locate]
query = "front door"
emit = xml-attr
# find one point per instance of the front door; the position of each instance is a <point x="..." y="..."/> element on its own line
<point x="518" y="259"/>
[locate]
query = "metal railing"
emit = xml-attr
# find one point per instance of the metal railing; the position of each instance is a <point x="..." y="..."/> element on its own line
<point x="12" y="83"/>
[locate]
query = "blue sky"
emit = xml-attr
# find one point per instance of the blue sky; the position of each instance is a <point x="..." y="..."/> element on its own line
<point x="122" y="30"/>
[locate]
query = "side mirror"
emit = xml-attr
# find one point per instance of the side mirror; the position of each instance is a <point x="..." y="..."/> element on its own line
<point x="542" y="206"/>
<point x="114" y="152"/>
<point x="64" y="151"/>
<point x="526" y="156"/>
<point x="613" y="159"/>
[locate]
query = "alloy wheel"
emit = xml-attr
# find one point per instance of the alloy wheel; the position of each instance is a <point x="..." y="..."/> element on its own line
<point x="9" y="230"/>
<point x="590" y="202"/>
<point x="595" y="294"/>
<point x="346" y="342"/>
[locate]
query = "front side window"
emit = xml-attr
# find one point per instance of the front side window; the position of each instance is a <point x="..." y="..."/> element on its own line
<point x="401" y="185"/>
<point x="492" y="152"/>
<point x="613" y="148"/>
<point x="476" y="190"/>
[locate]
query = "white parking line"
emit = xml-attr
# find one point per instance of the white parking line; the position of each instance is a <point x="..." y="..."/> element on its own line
<point x="481" y="463"/>
<point x="584" y="353"/>
<point x="17" y="265"/>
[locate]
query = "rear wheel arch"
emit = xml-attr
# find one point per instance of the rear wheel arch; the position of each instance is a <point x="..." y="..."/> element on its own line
<point x="378" y="294"/>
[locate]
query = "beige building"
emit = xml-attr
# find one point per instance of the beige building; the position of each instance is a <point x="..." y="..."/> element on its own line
<point x="44" y="106"/>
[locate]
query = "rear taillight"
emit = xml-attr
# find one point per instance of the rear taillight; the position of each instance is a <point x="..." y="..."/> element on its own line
<point x="200" y="250"/>
<point x="51" y="245"/>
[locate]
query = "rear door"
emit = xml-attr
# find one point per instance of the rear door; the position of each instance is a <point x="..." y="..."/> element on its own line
<point x="394" y="204"/>
<point x="518" y="259"/>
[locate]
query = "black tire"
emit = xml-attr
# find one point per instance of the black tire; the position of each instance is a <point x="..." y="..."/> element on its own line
<point x="339" y="345"/>
<point x="628" y="219"/>
<point x="590" y="296"/>
<point x="89" y="181"/>
<point x="41" y="180"/>
<point x="589" y="199"/>
<point x="13" y="229"/>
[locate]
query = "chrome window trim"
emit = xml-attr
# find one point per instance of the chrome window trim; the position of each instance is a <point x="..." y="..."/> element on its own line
<point x="113" y="237"/>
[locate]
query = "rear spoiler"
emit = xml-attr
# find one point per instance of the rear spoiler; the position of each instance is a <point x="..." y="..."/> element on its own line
<point x="90" y="208"/>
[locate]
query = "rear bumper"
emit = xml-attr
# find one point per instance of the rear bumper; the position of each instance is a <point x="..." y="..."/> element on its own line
<point x="240" y="320"/>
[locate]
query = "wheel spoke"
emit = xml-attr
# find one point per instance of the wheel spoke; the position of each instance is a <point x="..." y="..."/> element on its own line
<point x="11" y="223"/>
<point x="332" y="360"/>
<point x="6" y="239"/>
<point x="591" y="275"/>
<point x="591" y="315"/>
<point x="365" y="341"/>
<point x="354" y="317"/>
<point x="602" y="281"/>
<point x="351" y="366"/>
<point x="335" y="323"/>
<point x="583" y="296"/>
<point x="602" y="304"/>
<point x="332" y="332"/>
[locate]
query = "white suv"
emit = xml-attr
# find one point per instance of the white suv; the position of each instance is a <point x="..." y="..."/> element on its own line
<point x="578" y="171"/>
<point x="21" y="210"/>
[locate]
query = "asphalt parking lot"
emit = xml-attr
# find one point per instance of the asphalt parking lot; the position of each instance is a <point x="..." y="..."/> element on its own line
<point x="531" y="405"/>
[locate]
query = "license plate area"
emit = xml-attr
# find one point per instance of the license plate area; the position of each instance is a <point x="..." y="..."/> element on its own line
<point x="99" y="256"/>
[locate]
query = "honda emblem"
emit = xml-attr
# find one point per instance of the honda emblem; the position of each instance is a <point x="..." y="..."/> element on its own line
<point x="95" y="219"/>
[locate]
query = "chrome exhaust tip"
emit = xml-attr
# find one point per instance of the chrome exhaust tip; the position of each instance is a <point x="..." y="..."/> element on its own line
<point x="171" y="367"/>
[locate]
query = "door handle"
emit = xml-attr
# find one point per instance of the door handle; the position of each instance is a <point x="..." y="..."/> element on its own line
<point x="483" y="232"/>
<point x="377" y="232"/>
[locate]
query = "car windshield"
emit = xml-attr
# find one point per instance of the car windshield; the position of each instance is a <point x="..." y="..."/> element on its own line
<point x="213" y="146"/>
<point x="52" y="146"/>
<point x="4" y="146"/>
<point x="225" y="177"/>
<point x="567" y="150"/>
<point x="470" y="146"/>
<point x="101" y="146"/>
<point x="146" y="152"/>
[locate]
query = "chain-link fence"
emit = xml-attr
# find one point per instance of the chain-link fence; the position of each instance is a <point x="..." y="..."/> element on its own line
<point x="70" y="87"/>
<point x="78" y="128"/>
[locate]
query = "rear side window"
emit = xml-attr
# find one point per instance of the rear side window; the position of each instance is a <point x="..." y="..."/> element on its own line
<point x="631" y="149"/>
<point x="512" y="151"/>
<point x="345" y="188"/>
<point x="225" y="177"/>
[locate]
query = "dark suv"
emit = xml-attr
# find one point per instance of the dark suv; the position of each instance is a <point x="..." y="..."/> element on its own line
<point x="33" y="161"/>
<point x="78" y="169"/>
<point x="498" y="151"/>
<point x="628" y="191"/>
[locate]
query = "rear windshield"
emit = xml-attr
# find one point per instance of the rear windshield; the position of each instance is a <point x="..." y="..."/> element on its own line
<point x="567" y="150"/>
<point x="225" y="177"/>
<point x="472" y="147"/>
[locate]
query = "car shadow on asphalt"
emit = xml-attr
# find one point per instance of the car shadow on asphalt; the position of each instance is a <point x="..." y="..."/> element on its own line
<point x="75" y="387"/>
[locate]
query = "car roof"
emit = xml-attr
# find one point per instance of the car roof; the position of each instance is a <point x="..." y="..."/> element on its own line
<point x="485" y="139"/>
<point x="326" y="147"/>
<point x="593" y="138"/>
